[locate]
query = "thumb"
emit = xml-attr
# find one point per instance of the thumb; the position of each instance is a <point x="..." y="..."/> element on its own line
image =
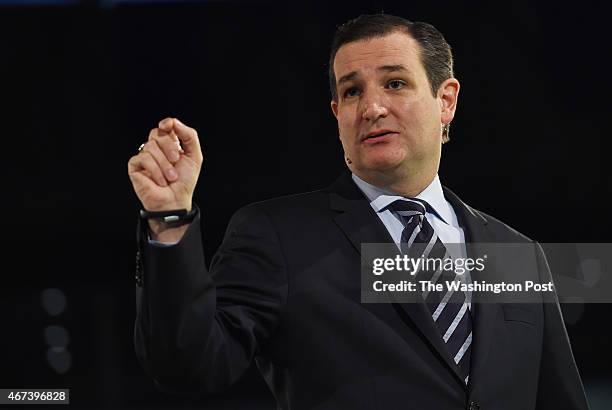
<point x="189" y="140"/>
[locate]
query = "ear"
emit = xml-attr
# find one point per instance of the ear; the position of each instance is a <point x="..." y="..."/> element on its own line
<point x="334" y="107"/>
<point x="448" y="94"/>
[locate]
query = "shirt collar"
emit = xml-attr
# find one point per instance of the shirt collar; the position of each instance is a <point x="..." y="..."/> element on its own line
<point x="432" y="194"/>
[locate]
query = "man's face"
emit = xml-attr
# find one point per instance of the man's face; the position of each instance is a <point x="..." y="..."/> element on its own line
<point x="388" y="119"/>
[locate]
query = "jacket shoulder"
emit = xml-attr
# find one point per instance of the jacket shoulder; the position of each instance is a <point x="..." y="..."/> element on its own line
<point x="500" y="230"/>
<point x="292" y="206"/>
<point x="508" y="233"/>
<point x="292" y="201"/>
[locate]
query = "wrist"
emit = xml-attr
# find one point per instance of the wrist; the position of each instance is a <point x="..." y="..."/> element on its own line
<point x="168" y="226"/>
<point x="167" y="232"/>
<point x="169" y="216"/>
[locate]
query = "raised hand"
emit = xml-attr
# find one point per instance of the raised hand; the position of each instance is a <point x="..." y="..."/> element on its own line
<point x="165" y="171"/>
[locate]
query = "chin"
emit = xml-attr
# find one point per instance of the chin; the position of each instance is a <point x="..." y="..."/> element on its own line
<point x="383" y="161"/>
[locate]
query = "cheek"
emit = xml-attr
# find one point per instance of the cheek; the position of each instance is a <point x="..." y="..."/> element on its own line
<point x="346" y="129"/>
<point x="344" y="121"/>
<point x="346" y="146"/>
<point x="420" y="120"/>
<point x="347" y="115"/>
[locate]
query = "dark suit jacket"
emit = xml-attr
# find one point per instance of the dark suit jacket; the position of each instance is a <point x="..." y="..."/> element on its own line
<point x="284" y="290"/>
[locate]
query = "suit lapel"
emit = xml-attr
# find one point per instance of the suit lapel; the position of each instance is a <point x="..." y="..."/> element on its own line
<point x="485" y="315"/>
<point x="358" y="220"/>
<point x="360" y="224"/>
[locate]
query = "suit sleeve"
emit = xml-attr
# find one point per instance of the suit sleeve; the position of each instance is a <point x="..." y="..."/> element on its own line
<point x="198" y="331"/>
<point x="559" y="385"/>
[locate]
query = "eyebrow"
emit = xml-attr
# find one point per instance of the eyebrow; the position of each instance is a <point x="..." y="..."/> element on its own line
<point x="385" y="68"/>
<point x="392" y="68"/>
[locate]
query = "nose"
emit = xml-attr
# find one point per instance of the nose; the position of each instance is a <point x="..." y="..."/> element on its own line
<point x="374" y="108"/>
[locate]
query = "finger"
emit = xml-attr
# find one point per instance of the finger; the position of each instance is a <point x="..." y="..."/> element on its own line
<point x="157" y="133"/>
<point x="144" y="161"/>
<point x="168" y="143"/>
<point x="166" y="124"/>
<point x="189" y="140"/>
<point x="142" y="179"/>
<point x="135" y="168"/>
<point x="153" y="148"/>
<point x="139" y="177"/>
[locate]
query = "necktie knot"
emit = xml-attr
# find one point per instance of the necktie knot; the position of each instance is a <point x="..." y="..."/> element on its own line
<point x="408" y="207"/>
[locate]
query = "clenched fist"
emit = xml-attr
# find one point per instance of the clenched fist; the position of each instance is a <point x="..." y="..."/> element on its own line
<point x="165" y="171"/>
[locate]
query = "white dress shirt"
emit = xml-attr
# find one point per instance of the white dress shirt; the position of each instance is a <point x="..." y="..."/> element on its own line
<point x="443" y="219"/>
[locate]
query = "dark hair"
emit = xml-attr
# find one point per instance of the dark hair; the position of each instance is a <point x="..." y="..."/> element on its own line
<point x="435" y="52"/>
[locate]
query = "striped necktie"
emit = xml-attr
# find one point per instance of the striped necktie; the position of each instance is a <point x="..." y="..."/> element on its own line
<point x="449" y="309"/>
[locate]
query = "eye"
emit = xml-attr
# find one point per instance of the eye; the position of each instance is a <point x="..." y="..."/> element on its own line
<point x="351" y="92"/>
<point x="395" y="84"/>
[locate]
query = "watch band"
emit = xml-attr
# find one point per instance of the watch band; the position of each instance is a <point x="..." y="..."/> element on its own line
<point x="175" y="215"/>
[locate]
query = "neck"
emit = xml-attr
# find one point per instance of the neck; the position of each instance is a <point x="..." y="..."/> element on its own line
<point x="408" y="185"/>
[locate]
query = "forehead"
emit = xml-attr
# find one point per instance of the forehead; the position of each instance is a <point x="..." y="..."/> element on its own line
<point x="363" y="56"/>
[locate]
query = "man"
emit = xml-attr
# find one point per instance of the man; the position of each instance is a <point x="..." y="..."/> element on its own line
<point x="284" y="287"/>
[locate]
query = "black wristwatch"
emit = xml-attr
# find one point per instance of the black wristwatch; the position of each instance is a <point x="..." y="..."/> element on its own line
<point x="174" y="216"/>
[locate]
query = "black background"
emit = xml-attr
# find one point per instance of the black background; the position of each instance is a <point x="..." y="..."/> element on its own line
<point x="82" y="85"/>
